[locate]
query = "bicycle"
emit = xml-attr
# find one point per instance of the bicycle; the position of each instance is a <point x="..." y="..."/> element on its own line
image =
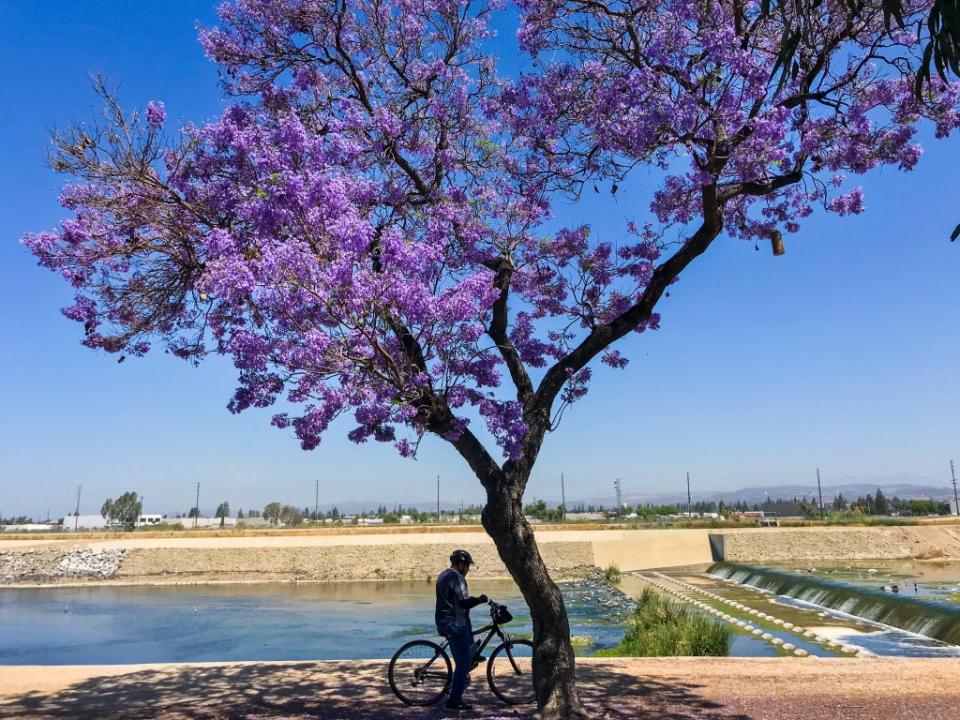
<point x="420" y="671"/>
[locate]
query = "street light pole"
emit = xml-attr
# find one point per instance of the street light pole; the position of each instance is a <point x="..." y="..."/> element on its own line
<point x="563" y="495"/>
<point x="197" y="507"/>
<point x="956" y="500"/>
<point x="438" y="499"/>
<point x="820" y="493"/>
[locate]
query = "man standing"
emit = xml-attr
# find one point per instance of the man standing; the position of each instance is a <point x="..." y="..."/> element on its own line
<point x="453" y="621"/>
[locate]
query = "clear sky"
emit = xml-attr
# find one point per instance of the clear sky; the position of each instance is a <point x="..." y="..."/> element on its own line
<point x="842" y="354"/>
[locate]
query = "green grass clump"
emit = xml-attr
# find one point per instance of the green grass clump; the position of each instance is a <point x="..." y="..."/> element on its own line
<point x="662" y="628"/>
<point x="612" y="574"/>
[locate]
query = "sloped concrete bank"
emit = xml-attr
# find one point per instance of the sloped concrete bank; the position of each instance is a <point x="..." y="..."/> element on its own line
<point x="323" y="558"/>
<point x="824" y="544"/>
<point x="385" y="555"/>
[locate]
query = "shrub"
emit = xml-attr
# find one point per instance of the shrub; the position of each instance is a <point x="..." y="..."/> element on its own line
<point x="662" y="628"/>
<point x="612" y="574"/>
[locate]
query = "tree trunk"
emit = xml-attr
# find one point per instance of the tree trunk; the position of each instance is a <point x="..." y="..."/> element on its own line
<point x="554" y="665"/>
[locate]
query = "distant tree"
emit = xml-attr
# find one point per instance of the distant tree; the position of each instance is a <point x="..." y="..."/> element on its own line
<point x="840" y="503"/>
<point x="194" y="512"/>
<point x="290" y="515"/>
<point x="223" y="512"/>
<point x="125" y="510"/>
<point x="272" y="512"/>
<point x="880" y="504"/>
<point x="334" y="514"/>
<point x="239" y="514"/>
<point x="925" y="507"/>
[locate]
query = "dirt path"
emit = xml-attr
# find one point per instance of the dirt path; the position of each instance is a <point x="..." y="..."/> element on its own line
<point x="621" y="689"/>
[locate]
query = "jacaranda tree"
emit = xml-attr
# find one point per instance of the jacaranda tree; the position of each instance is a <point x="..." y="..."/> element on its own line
<point x="367" y="229"/>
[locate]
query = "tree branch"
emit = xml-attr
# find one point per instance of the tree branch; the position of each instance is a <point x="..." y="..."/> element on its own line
<point x="604" y="335"/>
<point x="498" y="332"/>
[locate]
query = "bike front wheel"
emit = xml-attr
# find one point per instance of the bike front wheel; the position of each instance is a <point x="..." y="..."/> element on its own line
<point x="420" y="673"/>
<point x="510" y="672"/>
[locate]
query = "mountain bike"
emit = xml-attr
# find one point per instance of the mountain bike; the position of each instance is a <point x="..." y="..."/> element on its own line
<point x="420" y="672"/>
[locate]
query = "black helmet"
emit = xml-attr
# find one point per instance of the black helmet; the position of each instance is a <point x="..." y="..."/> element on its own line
<point x="461" y="556"/>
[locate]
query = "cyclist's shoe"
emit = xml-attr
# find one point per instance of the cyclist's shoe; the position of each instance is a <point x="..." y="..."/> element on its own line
<point x="459" y="705"/>
<point x="477" y="660"/>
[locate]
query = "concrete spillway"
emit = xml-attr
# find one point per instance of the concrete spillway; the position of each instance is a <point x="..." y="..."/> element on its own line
<point x="924" y="617"/>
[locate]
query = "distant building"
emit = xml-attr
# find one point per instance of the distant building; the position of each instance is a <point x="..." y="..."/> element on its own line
<point x="84" y="522"/>
<point x="206" y="522"/>
<point x="370" y="521"/>
<point x="583" y="516"/>
<point x="31" y="527"/>
<point x="148" y="520"/>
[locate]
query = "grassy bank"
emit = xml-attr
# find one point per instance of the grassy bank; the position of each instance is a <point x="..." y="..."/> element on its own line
<point x="662" y="628"/>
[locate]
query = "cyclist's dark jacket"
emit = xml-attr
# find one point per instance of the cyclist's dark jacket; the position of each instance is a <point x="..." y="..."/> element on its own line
<point x="453" y="600"/>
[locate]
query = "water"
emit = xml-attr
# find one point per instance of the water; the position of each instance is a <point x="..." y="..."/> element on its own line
<point x="59" y="626"/>
<point x="906" y="625"/>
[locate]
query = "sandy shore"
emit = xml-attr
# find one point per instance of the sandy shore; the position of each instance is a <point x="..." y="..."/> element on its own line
<point x="675" y="688"/>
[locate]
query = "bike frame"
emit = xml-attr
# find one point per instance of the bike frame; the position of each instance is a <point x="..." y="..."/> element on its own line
<point x="492" y="630"/>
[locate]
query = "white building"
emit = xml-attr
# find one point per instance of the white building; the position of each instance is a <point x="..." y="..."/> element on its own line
<point x="207" y="522"/>
<point x="84" y="522"/>
<point x="148" y="520"/>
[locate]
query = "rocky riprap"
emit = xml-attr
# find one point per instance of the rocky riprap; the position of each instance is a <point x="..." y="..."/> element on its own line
<point x="596" y="589"/>
<point x="45" y="566"/>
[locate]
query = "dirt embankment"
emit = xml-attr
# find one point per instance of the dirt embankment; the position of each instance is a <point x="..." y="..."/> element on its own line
<point x="925" y="542"/>
<point x="264" y="559"/>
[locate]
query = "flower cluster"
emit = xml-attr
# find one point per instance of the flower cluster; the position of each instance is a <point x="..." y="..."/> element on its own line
<point x="367" y="230"/>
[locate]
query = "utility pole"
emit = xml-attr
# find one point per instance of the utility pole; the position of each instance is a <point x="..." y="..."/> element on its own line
<point x="618" y="488"/>
<point x="689" y="499"/>
<point x="316" y="499"/>
<point x="563" y="496"/>
<point x="438" y="499"/>
<point x="76" y="513"/>
<point x="820" y="493"/>
<point x="956" y="500"/>
<point x="197" y="506"/>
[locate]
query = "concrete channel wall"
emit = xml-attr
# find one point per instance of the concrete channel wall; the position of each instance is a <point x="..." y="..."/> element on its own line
<point x="345" y="557"/>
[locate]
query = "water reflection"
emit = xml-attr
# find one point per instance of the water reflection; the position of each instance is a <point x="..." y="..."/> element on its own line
<point x="55" y="626"/>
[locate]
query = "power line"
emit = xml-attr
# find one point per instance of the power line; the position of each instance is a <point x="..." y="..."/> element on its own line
<point x="197" y="506"/>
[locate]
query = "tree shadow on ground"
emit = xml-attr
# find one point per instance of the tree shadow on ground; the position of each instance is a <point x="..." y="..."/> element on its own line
<point x="333" y="690"/>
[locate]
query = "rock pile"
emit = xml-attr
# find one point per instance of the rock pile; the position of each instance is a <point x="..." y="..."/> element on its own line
<point x="596" y="589"/>
<point x="86" y="563"/>
<point x="41" y="565"/>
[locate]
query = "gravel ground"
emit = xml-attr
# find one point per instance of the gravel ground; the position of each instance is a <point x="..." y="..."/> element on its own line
<point x="618" y="689"/>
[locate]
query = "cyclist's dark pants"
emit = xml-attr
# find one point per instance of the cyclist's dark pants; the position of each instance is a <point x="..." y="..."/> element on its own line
<point x="461" y="647"/>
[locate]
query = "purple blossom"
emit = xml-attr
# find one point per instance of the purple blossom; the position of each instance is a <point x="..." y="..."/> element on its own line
<point x="156" y="114"/>
<point x="380" y="243"/>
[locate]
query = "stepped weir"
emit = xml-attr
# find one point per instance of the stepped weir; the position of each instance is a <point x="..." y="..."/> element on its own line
<point x="933" y="619"/>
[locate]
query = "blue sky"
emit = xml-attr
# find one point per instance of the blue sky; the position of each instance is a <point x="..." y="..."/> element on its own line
<point x="842" y="354"/>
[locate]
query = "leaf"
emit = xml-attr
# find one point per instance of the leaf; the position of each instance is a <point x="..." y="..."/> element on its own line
<point x="955" y="234"/>
<point x="614" y="188"/>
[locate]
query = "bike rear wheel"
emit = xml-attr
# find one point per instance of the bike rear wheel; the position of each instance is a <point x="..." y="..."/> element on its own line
<point x="510" y="672"/>
<point x="420" y="673"/>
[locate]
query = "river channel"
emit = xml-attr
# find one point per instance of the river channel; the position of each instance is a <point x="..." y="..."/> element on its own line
<point x="327" y="621"/>
<point x="95" y="625"/>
